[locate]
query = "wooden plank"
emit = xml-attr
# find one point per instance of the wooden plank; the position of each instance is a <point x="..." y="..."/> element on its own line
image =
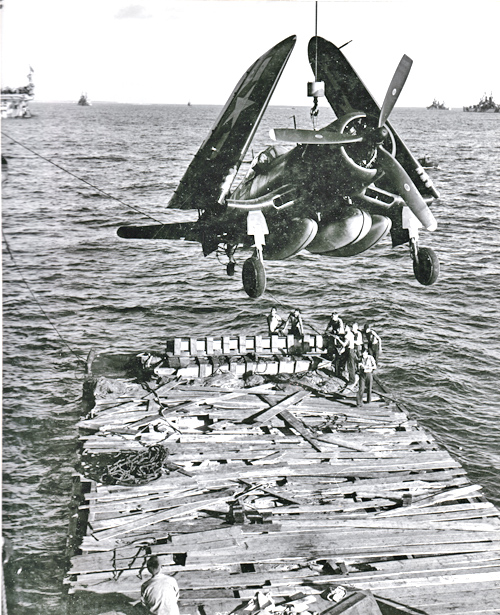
<point x="341" y="503"/>
<point x="147" y="520"/>
<point x="453" y="494"/>
<point x="209" y="342"/>
<point x="261" y="418"/>
<point x="177" y="347"/>
<point x="258" y="344"/>
<point x="300" y="428"/>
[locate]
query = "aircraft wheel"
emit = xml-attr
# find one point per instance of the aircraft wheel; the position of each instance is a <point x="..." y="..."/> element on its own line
<point x="254" y="277"/>
<point x="426" y="268"/>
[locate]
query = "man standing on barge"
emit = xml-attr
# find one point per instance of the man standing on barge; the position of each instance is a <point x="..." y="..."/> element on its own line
<point x="367" y="366"/>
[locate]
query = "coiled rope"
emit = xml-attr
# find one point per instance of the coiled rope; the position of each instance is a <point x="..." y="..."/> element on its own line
<point x="127" y="468"/>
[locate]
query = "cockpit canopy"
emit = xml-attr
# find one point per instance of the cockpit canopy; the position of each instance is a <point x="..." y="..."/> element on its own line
<point x="264" y="159"/>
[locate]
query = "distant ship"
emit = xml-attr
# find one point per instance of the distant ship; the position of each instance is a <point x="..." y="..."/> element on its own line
<point x="15" y="101"/>
<point x="84" y="101"/>
<point x="439" y="106"/>
<point x="485" y="105"/>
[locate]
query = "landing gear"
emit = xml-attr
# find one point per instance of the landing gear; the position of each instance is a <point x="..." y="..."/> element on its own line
<point x="231" y="265"/>
<point x="254" y="277"/>
<point x="254" y="274"/>
<point x="425" y="263"/>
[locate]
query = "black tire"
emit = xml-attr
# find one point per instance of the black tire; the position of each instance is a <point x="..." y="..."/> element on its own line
<point x="254" y="277"/>
<point x="427" y="269"/>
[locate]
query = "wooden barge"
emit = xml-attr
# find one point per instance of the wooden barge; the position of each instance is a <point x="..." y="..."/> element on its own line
<point x="245" y="466"/>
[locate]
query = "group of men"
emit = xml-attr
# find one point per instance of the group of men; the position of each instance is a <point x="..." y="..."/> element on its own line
<point x="355" y="351"/>
<point x="351" y="350"/>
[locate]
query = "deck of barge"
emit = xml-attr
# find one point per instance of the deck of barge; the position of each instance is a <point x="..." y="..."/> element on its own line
<point x="276" y="484"/>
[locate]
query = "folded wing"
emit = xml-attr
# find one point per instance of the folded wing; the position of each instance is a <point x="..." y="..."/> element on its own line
<point x="212" y="171"/>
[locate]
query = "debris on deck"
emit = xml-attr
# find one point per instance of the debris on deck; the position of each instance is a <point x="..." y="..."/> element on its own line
<point x="264" y="489"/>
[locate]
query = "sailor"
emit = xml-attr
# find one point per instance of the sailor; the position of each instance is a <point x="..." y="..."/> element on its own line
<point x="160" y="593"/>
<point x="335" y="325"/>
<point x="295" y="325"/>
<point x="358" y="341"/>
<point x="372" y="341"/>
<point x="349" y="355"/>
<point x="334" y="334"/>
<point x="367" y="366"/>
<point x="275" y="323"/>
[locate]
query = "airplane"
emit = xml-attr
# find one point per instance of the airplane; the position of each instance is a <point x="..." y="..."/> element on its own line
<point x="335" y="191"/>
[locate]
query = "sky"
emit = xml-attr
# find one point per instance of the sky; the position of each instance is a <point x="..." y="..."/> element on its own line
<point x="175" y="51"/>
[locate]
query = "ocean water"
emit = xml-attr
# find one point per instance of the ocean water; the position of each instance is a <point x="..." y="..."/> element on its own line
<point x="441" y="347"/>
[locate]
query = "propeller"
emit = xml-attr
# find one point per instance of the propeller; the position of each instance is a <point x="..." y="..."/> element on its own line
<point x="386" y="162"/>
<point x="406" y="188"/>
<point x="395" y="87"/>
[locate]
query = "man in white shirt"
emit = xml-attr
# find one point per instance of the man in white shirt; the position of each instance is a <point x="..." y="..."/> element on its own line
<point x="367" y="366"/>
<point x="161" y="592"/>
<point x="349" y="356"/>
<point x="275" y="323"/>
<point x="358" y="341"/>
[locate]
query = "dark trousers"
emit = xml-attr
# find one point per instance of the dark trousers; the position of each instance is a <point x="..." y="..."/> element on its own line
<point x="350" y="363"/>
<point x="365" y="381"/>
<point x="374" y="351"/>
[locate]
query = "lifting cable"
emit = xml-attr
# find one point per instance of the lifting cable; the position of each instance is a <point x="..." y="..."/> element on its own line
<point x="110" y="196"/>
<point x="78" y="355"/>
<point x="315" y="109"/>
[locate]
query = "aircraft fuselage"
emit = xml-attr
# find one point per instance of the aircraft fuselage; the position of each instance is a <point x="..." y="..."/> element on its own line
<point x="319" y="177"/>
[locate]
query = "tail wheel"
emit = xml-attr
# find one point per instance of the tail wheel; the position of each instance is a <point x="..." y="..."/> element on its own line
<point x="254" y="277"/>
<point x="426" y="266"/>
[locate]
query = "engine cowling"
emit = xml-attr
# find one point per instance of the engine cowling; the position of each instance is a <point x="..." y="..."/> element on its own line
<point x="362" y="157"/>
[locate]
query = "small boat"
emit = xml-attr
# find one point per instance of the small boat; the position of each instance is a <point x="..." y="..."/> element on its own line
<point x="438" y="106"/>
<point x="485" y="105"/>
<point x="14" y="101"/>
<point x="427" y="163"/>
<point x="84" y="101"/>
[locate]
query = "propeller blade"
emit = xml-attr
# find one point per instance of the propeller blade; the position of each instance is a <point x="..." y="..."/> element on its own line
<point x="321" y="137"/>
<point x="395" y="88"/>
<point x="406" y="188"/>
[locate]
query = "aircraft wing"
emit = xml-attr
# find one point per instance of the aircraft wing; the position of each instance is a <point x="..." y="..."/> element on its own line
<point x="212" y="171"/>
<point x="175" y="230"/>
<point x="346" y="92"/>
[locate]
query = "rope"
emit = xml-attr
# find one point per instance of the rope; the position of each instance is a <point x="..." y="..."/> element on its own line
<point x="127" y="468"/>
<point x="4" y="595"/>
<point x="316" y="38"/>
<point x="76" y="353"/>
<point x="110" y="196"/>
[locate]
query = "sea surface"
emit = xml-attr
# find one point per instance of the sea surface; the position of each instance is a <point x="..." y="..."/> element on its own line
<point x="70" y="285"/>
